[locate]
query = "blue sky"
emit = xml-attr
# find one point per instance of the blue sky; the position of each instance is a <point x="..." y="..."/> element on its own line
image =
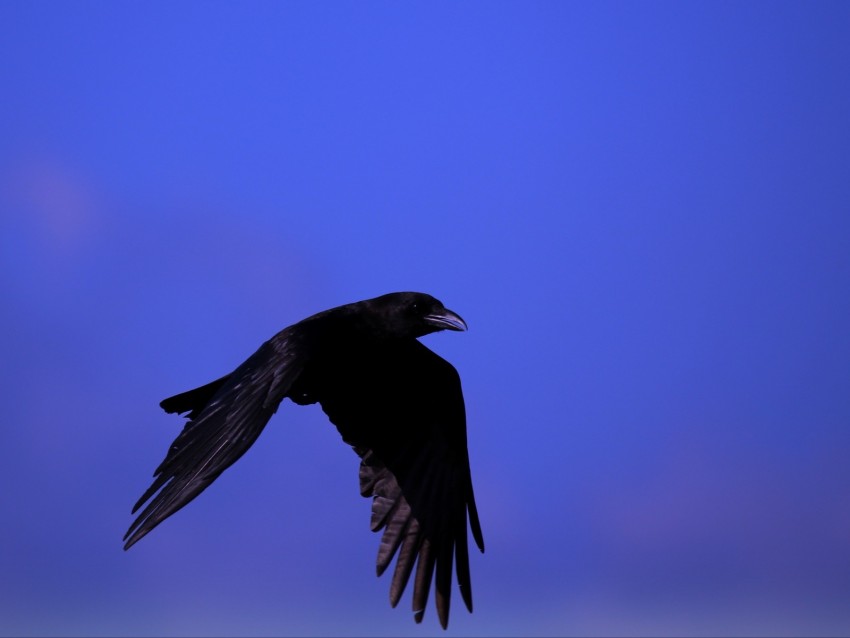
<point x="641" y="209"/>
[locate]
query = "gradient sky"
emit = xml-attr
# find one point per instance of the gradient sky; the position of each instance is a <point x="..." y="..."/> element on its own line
<point x="641" y="209"/>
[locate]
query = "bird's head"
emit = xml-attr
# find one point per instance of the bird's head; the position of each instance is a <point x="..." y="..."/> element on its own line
<point x="414" y="314"/>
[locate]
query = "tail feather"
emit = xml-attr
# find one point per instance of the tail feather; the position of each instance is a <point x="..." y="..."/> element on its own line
<point x="192" y="401"/>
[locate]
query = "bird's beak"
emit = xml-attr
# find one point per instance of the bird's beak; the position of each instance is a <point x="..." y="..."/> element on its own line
<point x="446" y="320"/>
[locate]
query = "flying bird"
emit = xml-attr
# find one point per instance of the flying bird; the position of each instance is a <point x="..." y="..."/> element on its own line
<point x="394" y="401"/>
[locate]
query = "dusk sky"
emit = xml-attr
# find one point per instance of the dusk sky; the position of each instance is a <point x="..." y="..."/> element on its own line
<point x="641" y="209"/>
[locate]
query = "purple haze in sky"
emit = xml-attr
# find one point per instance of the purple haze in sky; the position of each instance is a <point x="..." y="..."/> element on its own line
<point x="641" y="209"/>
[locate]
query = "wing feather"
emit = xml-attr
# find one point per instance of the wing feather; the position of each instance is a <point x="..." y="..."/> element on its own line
<point x="225" y="418"/>
<point x="401" y="408"/>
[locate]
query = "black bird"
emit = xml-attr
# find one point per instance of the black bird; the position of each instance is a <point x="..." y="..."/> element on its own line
<point x="398" y="404"/>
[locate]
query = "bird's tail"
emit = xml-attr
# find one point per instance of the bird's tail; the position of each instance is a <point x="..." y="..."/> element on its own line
<point x="192" y="401"/>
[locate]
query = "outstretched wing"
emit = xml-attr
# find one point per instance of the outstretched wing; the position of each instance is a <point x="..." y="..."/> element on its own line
<point x="225" y="418"/>
<point x="401" y="407"/>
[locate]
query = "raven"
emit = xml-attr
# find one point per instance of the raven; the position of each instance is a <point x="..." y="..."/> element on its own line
<point x="398" y="404"/>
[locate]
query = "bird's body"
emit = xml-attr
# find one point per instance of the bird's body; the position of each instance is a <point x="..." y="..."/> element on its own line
<point x="398" y="404"/>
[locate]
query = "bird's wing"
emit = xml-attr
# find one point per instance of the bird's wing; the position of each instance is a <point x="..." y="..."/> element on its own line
<point x="402" y="410"/>
<point x="226" y="418"/>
